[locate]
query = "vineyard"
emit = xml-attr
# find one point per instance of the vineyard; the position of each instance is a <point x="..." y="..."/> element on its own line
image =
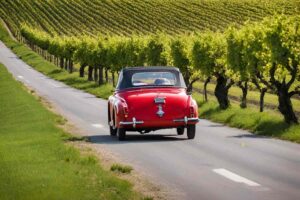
<point x="127" y="17"/>
<point x="265" y="54"/>
<point x="195" y="36"/>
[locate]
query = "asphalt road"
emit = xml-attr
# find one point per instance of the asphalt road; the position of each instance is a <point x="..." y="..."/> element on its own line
<point x="220" y="163"/>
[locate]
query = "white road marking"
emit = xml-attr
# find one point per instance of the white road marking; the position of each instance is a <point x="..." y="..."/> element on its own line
<point x="20" y="77"/>
<point x="97" y="125"/>
<point x="234" y="177"/>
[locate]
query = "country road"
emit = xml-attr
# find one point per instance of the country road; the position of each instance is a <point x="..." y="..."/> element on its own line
<point x="220" y="163"/>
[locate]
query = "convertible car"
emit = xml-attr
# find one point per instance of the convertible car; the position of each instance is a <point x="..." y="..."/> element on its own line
<point x="151" y="98"/>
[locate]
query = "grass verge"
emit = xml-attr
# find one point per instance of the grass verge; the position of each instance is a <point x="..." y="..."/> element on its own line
<point x="35" y="162"/>
<point x="269" y="123"/>
<point x="121" y="168"/>
<point x="253" y="95"/>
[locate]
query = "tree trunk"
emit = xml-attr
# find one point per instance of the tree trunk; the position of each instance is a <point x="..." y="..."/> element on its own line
<point x="244" y="95"/>
<point x="90" y="73"/>
<point x="96" y="75"/>
<point x="113" y="79"/>
<point x="205" y="89"/>
<point x="81" y="70"/>
<point x="106" y="75"/>
<point x="262" y="99"/>
<point x="285" y="106"/>
<point x="187" y="82"/>
<point x="66" y="64"/>
<point x="221" y="92"/>
<point x="71" y="66"/>
<point x="101" y="79"/>
<point x="61" y="62"/>
<point x="262" y="91"/>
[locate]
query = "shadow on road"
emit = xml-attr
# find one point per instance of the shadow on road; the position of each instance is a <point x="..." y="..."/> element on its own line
<point x="250" y="136"/>
<point x="107" y="139"/>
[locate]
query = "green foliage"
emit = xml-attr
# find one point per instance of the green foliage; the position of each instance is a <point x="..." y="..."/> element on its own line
<point x="179" y="54"/>
<point x="208" y="53"/>
<point x="236" y="57"/>
<point x="127" y="17"/>
<point x="267" y="52"/>
<point x="156" y="50"/>
<point x="282" y="36"/>
<point x="121" y="168"/>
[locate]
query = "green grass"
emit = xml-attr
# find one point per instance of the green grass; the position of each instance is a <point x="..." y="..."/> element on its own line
<point x="253" y="95"/>
<point x="269" y="123"/>
<point x="35" y="162"/>
<point x="121" y="168"/>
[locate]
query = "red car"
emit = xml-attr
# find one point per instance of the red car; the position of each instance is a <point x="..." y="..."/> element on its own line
<point x="151" y="98"/>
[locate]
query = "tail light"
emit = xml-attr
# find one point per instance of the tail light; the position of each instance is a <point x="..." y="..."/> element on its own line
<point x="192" y="111"/>
<point x="125" y="110"/>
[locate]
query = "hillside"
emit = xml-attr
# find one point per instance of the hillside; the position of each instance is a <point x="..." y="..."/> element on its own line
<point x="125" y="17"/>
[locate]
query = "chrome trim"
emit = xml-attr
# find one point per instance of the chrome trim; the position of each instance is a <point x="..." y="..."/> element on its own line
<point x="160" y="111"/>
<point x="134" y="122"/>
<point x="159" y="100"/>
<point x="186" y="120"/>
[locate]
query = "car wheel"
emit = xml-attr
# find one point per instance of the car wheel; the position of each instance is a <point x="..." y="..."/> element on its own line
<point x="121" y="133"/>
<point x="191" y="130"/>
<point x="113" y="131"/>
<point x="180" y="130"/>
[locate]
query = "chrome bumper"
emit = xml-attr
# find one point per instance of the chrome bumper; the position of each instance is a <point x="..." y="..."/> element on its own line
<point x="133" y="122"/>
<point x="186" y="120"/>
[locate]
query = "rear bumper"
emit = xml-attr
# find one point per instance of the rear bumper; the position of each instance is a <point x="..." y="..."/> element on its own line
<point x="186" y="120"/>
<point x="133" y="123"/>
<point x="160" y="123"/>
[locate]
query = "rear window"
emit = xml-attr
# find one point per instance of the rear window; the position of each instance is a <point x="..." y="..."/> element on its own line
<point x="153" y="79"/>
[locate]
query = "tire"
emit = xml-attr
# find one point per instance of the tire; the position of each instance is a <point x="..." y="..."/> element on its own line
<point x="112" y="131"/>
<point x="121" y="133"/>
<point x="180" y="130"/>
<point x="191" y="130"/>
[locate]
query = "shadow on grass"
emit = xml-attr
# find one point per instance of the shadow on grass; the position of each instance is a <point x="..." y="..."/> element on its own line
<point x="210" y="112"/>
<point x="263" y="126"/>
<point x="229" y="118"/>
<point x="55" y="71"/>
<point x="271" y="128"/>
<point x="75" y="81"/>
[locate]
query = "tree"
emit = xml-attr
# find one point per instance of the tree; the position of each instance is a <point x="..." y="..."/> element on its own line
<point x="81" y="53"/>
<point x="282" y="40"/>
<point x="253" y="50"/>
<point x="179" y="54"/>
<point x="156" y="51"/>
<point x="70" y="44"/>
<point x="237" y="60"/>
<point x="135" y="51"/>
<point x="209" y="56"/>
<point x="100" y="57"/>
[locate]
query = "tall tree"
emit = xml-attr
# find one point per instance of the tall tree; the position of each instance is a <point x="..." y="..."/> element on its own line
<point x="282" y="40"/>
<point x="179" y="54"/>
<point x="209" y="56"/>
